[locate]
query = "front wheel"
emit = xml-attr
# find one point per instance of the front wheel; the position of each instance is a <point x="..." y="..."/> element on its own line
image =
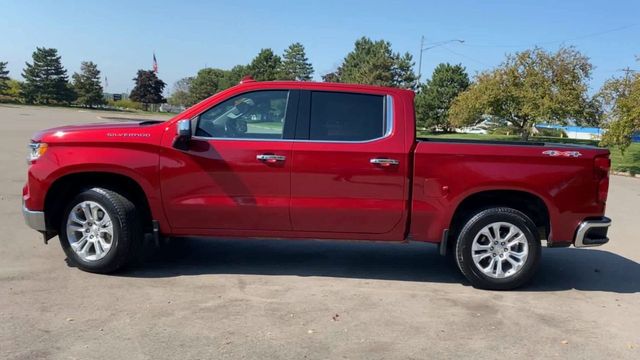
<point x="99" y="230"/>
<point x="497" y="249"/>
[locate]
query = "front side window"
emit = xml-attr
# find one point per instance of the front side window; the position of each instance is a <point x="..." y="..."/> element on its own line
<point x="254" y="115"/>
<point x="339" y="116"/>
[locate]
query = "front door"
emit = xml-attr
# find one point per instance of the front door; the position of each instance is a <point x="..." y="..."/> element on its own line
<point x="236" y="174"/>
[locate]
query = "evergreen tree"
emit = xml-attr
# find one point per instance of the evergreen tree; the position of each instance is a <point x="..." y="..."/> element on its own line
<point x="46" y="80"/>
<point x="437" y="94"/>
<point x="374" y="63"/>
<point x="87" y="85"/>
<point x="4" y="78"/>
<point x="148" y="88"/>
<point x="403" y="75"/>
<point x="295" y="65"/>
<point x="236" y="74"/>
<point x="331" y="77"/>
<point x="265" y="66"/>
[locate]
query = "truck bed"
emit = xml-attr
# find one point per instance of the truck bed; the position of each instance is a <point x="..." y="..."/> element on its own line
<point x="505" y="142"/>
<point x="446" y="171"/>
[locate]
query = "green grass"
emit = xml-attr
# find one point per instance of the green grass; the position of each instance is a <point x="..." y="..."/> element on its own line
<point x="273" y="125"/>
<point x="629" y="162"/>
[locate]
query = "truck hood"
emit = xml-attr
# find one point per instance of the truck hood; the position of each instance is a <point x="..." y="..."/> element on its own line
<point x="129" y="129"/>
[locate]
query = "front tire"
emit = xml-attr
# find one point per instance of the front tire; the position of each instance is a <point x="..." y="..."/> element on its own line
<point x="498" y="249"/>
<point x="100" y="230"/>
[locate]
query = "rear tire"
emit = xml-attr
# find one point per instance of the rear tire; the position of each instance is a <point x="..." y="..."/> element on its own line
<point x="100" y="230"/>
<point x="498" y="249"/>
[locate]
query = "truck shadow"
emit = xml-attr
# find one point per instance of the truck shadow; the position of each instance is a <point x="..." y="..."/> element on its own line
<point x="560" y="269"/>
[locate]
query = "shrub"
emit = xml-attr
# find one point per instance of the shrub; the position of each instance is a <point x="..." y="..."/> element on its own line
<point x="125" y="104"/>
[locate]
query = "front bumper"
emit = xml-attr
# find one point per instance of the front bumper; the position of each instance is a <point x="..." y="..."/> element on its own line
<point x="34" y="219"/>
<point x="592" y="232"/>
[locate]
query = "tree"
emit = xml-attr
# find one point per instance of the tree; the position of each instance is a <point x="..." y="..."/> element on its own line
<point x="529" y="87"/>
<point x="46" y="80"/>
<point x="148" y="88"/>
<point x="207" y="82"/>
<point x="237" y="73"/>
<point x="87" y="85"/>
<point x="14" y="89"/>
<point x="331" y="77"/>
<point x="374" y="63"/>
<point x="265" y="66"/>
<point x="181" y="95"/>
<point x="621" y="98"/>
<point x="4" y="78"/>
<point x="437" y="94"/>
<point x="295" y="65"/>
<point x="403" y="75"/>
<point x="611" y="91"/>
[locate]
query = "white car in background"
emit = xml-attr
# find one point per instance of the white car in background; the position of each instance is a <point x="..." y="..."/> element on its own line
<point x="474" y="130"/>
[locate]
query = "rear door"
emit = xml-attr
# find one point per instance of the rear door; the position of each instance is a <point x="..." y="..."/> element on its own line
<point x="349" y="164"/>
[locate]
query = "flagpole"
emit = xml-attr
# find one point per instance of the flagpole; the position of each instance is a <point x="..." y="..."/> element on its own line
<point x="155" y="63"/>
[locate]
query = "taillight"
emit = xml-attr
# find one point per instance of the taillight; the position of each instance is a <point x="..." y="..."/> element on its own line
<point x="602" y="166"/>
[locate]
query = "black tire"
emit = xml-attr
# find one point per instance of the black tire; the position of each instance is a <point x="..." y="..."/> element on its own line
<point x="127" y="231"/>
<point x="463" y="249"/>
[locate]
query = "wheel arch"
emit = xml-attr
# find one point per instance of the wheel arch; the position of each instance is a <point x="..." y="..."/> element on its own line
<point x="528" y="203"/>
<point x="64" y="188"/>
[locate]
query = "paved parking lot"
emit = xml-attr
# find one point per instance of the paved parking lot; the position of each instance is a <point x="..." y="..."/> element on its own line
<point x="219" y="299"/>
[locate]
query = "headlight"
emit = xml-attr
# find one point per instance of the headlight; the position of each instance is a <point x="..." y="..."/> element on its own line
<point x="36" y="150"/>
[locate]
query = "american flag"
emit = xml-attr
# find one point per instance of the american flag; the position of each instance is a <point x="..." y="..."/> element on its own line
<point x="155" y="63"/>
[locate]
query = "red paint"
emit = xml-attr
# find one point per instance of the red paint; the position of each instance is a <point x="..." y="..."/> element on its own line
<point x="322" y="189"/>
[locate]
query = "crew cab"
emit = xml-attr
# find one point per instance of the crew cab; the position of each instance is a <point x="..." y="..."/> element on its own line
<point x="309" y="160"/>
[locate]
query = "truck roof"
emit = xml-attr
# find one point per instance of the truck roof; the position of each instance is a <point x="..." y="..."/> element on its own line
<point x="321" y="85"/>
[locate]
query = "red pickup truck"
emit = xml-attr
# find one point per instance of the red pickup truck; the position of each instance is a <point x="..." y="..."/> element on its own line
<point x="313" y="161"/>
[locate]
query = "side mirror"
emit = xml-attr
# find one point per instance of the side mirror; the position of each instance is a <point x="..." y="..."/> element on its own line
<point x="183" y="135"/>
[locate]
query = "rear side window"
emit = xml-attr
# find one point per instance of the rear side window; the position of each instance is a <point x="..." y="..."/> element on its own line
<point x="338" y="116"/>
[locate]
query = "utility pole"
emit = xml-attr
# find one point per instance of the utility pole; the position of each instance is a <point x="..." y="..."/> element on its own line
<point x="420" y="61"/>
<point x="434" y="45"/>
<point x="628" y="72"/>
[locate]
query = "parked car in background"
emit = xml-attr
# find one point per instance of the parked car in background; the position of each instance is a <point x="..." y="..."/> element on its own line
<point x="474" y="130"/>
<point x="171" y="108"/>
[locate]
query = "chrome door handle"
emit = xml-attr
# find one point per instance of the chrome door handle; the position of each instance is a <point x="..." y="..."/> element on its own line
<point x="384" y="162"/>
<point x="270" y="158"/>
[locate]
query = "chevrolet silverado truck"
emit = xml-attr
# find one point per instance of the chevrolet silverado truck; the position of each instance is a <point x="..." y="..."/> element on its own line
<point x="311" y="160"/>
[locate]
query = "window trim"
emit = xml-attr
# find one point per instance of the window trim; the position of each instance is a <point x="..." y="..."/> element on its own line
<point x="302" y="108"/>
<point x="288" y="129"/>
<point x="304" y="114"/>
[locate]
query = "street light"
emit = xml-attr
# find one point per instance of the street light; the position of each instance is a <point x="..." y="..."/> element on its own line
<point x="434" y="45"/>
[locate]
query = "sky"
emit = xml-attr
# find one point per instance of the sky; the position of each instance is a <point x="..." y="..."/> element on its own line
<point x="121" y="36"/>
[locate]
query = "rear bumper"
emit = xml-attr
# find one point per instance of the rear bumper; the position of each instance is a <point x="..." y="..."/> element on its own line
<point x="592" y="232"/>
<point x="34" y="219"/>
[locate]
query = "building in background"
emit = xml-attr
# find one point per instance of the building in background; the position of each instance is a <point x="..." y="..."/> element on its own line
<point x="576" y="132"/>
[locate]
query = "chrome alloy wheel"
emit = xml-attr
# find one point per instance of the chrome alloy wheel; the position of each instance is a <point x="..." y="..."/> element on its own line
<point x="90" y="231"/>
<point x="500" y="250"/>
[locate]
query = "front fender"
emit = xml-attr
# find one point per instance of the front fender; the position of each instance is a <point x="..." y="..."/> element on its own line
<point x="139" y="164"/>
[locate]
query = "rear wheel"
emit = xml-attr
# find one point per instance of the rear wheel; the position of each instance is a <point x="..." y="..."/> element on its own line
<point x="100" y="230"/>
<point x="498" y="249"/>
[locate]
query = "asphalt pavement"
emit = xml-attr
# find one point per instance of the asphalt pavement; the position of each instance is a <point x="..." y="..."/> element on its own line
<point x="264" y="299"/>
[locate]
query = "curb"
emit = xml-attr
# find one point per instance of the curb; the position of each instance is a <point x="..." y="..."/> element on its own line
<point x="625" y="173"/>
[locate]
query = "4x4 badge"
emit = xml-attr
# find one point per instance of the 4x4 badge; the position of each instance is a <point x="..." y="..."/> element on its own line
<point x="562" y="153"/>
